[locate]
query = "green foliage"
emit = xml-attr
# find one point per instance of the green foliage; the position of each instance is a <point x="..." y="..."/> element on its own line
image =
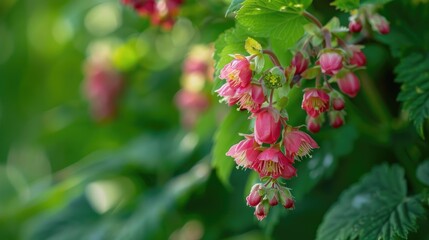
<point x="423" y="172"/>
<point x="275" y="19"/>
<point x="414" y="76"/>
<point x="346" y="5"/>
<point x="234" y="6"/>
<point x="227" y="135"/>
<point x="375" y="208"/>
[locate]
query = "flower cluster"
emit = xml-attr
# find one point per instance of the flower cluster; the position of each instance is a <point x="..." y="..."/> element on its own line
<point x="193" y="99"/>
<point x="274" y="145"/>
<point x="160" y="12"/>
<point x="102" y="86"/>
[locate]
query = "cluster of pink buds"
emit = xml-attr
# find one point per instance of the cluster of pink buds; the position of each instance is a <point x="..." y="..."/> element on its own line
<point x="102" y="87"/>
<point x="193" y="99"/>
<point x="274" y="145"/>
<point x="367" y="17"/>
<point x="160" y="12"/>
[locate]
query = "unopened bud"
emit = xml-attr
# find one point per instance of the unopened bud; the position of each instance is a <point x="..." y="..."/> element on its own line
<point x="254" y="197"/>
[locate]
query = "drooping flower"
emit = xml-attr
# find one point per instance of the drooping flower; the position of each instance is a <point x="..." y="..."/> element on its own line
<point x="358" y="58"/>
<point x="252" y="98"/>
<point x="315" y="102"/>
<point x="349" y="84"/>
<point x="272" y="162"/>
<point x="300" y="63"/>
<point x="229" y="94"/>
<point x="330" y="62"/>
<point x="237" y="73"/>
<point x="267" y="126"/>
<point x="298" y="143"/>
<point x="244" y="152"/>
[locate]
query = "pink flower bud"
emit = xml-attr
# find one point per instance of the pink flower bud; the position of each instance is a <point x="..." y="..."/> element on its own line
<point x="297" y="143"/>
<point x="237" y="73"/>
<point x="274" y="200"/>
<point x="290" y="204"/>
<point x="331" y="62"/>
<point x="267" y="126"/>
<point x="355" y="26"/>
<point x="336" y="119"/>
<point x="261" y="211"/>
<point x="349" y="84"/>
<point x="314" y="124"/>
<point x="315" y="102"/>
<point x="338" y="104"/>
<point x="300" y="63"/>
<point x="286" y="198"/>
<point x="358" y="58"/>
<point x="254" y="197"/>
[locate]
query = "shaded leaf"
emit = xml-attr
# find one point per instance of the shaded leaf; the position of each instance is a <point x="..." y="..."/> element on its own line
<point x="346" y="5"/>
<point x="423" y="172"/>
<point x="375" y="208"/>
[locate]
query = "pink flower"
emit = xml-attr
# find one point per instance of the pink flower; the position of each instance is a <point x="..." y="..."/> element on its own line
<point x="300" y="63"/>
<point x="355" y="26"/>
<point x="229" y="94"/>
<point x="237" y="73"/>
<point x="267" y="126"/>
<point x="315" y="102"/>
<point x="358" y="58"/>
<point x="261" y="211"/>
<point x="252" y="98"/>
<point x="349" y="84"/>
<point x="331" y="62"/>
<point x="244" y="152"/>
<point x="272" y="162"/>
<point x="254" y="197"/>
<point x="298" y="143"/>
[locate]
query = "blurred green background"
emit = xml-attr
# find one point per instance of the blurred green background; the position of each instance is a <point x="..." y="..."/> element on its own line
<point x="141" y="175"/>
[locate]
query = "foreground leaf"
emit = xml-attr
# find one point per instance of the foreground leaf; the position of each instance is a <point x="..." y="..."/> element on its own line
<point x="375" y="208"/>
<point x="275" y="19"/>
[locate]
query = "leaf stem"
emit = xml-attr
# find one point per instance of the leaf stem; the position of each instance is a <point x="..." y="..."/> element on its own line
<point x="312" y="18"/>
<point x="273" y="57"/>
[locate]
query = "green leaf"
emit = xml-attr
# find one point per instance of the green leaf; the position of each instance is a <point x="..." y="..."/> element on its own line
<point x="346" y="5"/>
<point x="234" y="6"/>
<point x="375" y="208"/>
<point x="227" y="135"/>
<point x="423" y="172"/>
<point x="412" y="73"/>
<point x="275" y="19"/>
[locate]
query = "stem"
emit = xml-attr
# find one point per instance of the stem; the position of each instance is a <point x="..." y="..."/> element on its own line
<point x="312" y="18"/>
<point x="327" y="82"/>
<point x="318" y="81"/>
<point x="273" y="57"/>
<point x="271" y="97"/>
<point x="327" y="36"/>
